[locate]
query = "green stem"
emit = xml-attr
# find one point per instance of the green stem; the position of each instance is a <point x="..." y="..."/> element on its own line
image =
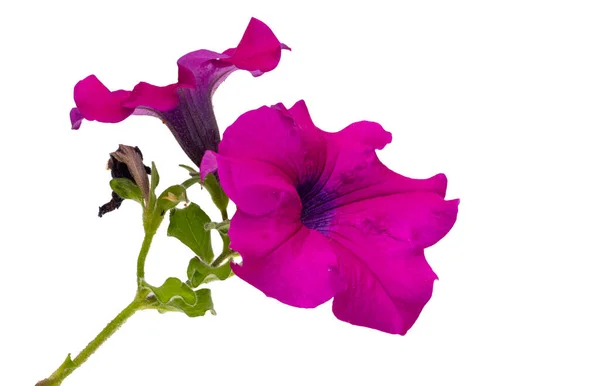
<point x="141" y="262"/>
<point x="223" y="257"/>
<point x="139" y="303"/>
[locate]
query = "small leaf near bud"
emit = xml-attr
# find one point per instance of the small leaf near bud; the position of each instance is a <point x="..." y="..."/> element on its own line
<point x="172" y="196"/>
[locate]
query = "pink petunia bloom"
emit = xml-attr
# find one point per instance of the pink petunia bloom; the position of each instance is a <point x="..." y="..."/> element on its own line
<point x="319" y="216"/>
<point x="186" y="106"/>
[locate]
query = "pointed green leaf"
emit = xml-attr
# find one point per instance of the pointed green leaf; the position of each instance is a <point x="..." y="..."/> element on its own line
<point x="154" y="177"/>
<point x="203" y="303"/>
<point x="216" y="192"/>
<point x="172" y="196"/>
<point x="199" y="272"/>
<point x="190" y="182"/>
<point x="126" y="189"/>
<point x="174" y="289"/>
<point x="193" y="172"/>
<point x="187" y="225"/>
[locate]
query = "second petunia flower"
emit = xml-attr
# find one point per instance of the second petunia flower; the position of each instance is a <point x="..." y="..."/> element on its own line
<point x="186" y="106"/>
<point x="320" y="217"/>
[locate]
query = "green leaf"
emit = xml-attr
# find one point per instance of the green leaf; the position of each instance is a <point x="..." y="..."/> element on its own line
<point x="193" y="172"/>
<point x="127" y="189"/>
<point x="172" y="196"/>
<point x="176" y="296"/>
<point x="199" y="272"/>
<point x="154" y="178"/>
<point x="173" y="289"/>
<point x="203" y="303"/>
<point x="187" y="225"/>
<point x="216" y="192"/>
<point x="191" y="181"/>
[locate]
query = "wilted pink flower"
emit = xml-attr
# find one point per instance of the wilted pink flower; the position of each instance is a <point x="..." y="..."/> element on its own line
<point x="186" y="106"/>
<point x="319" y="216"/>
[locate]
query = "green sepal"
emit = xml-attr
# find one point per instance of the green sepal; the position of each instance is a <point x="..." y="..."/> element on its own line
<point x="154" y="178"/>
<point x="127" y="189"/>
<point x="187" y="225"/>
<point x="193" y="172"/>
<point x="172" y="196"/>
<point x="190" y="182"/>
<point x="199" y="272"/>
<point x="216" y="192"/>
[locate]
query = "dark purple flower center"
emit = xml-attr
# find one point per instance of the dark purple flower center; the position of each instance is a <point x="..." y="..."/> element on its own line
<point x="193" y="123"/>
<point x="317" y="205"/>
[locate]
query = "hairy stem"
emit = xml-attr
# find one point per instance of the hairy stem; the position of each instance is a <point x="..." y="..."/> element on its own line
<point x="141" y="262"/>
<point x="68" y="366"/>
<point x="223" y="257"/>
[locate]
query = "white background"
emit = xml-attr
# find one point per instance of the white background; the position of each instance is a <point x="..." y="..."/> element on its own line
<point x="501" y="96"/>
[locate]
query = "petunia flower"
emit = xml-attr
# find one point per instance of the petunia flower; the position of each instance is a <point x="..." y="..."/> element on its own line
<point x="320" y="217"/>
<point x="186" y="106"/>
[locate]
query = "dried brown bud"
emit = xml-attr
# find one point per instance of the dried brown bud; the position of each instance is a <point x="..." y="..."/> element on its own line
<point x="126" y="162"/>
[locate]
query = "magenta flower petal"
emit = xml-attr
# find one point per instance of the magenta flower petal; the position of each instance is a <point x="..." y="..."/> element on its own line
<point x="299" y="271"/>
<point x="256" y="187"/>
<point x="388" y="294"/>
<point x="76" y="118"/>
<point x="146" y="95"/>
<point x="272" y="139"/>
<point x="385" y="237"/>
<point x="259" y="50"/>
<point x="323" y="207"/>
<point x="186" y="106"/>
<point x="95" y="102"/>
<point x="208" y="164"/>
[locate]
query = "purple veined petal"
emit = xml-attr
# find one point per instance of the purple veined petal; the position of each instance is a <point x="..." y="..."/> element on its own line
<point x="76" y="118"/>
<point x="301" y="271"/>
<point x="358" y="171"/>
<point x="203" y="68"/>
<point x="416" y="220"/>
<point x="208" y="164"/>
<point x="389" y="294"/>
<point x="271" y="135"/>
<point x="258" y="236"/>
<point x="257" y="188"/>
<point x="381" y="241"/>
<point x="376" y="221"/>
